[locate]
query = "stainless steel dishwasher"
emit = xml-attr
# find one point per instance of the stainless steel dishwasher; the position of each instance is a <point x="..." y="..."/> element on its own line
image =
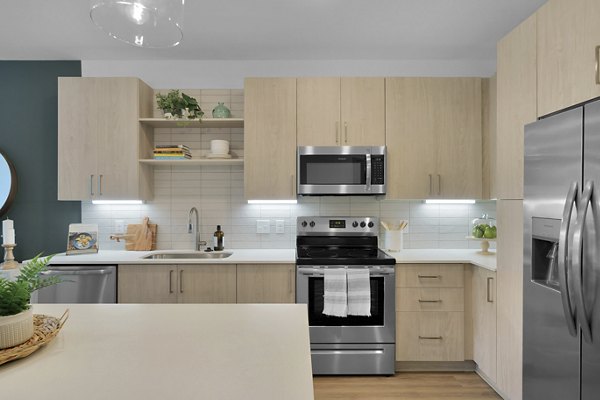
<point x="80" y="284"/>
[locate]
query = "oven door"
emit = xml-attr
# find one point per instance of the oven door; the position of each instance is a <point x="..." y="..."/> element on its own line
<point x="380" y="327"/>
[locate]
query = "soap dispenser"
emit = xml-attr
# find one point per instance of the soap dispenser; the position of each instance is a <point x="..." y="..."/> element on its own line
<point x="219" y="239"/>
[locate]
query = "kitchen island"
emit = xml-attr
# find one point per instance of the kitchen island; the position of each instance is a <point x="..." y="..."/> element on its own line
<point x="164" y="351"/>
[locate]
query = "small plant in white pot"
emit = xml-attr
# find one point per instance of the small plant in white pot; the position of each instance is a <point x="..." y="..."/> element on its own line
<point x="16" y="316"/>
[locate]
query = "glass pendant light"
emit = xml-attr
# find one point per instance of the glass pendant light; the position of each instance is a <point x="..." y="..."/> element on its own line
<point x="142" y="23"/>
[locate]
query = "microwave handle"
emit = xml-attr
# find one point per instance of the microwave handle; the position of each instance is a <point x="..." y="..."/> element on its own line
<point x="368" y="172"/>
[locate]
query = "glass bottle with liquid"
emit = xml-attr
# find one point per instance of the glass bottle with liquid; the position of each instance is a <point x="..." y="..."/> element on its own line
<point x="219" y="239"/>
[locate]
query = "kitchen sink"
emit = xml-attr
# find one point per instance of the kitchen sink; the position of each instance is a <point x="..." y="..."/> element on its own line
<point x="192" y="255"/>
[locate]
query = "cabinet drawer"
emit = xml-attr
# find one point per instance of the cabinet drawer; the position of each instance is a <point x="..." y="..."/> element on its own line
<point x="430" y="336"/>
<point x="430" y="275"/>
<point x="430" y="299"/>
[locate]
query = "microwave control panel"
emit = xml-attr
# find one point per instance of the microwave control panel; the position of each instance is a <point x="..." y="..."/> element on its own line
<point x="377" y="170"/>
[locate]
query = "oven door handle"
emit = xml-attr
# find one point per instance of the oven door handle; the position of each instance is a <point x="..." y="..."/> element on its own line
<point x="320" y="272"/>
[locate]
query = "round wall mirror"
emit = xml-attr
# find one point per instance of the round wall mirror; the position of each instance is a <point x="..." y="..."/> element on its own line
<point x="8" y="183"/>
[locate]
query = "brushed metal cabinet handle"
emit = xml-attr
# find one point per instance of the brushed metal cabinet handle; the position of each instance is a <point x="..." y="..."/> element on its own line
<point x="430" y="185"/>
<point x="429" y="276"/>
<point x="430" y="301"/>
<point x="100" y="184"/>
<point x="181" y="281"/>
<point x="292" y="182"/>
<point x="171" y="281"/>
<point x="431" y="337"/>
<point x="345" y="132"/>
<point x="337" y="132"/>
<point x="439" y="184"/>
<point x="91" y="185"/>
<point x="489" y="290"/>
<point x="291" y="277"/>
<point x="597" y="65"/>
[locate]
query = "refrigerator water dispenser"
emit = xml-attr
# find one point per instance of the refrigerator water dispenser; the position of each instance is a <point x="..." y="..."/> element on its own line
<point x="544" y="271"/>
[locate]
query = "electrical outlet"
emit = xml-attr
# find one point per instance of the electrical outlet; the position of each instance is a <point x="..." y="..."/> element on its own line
<point x="119" y="226"/>
<point x="263" y="226"/>
<point x="279" y="226"/>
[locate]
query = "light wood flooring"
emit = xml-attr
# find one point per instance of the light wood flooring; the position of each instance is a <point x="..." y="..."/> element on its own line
<point x="404" y="386"/>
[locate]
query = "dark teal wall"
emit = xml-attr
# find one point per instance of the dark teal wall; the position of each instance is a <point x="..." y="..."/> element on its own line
<point x="28" y="136"/>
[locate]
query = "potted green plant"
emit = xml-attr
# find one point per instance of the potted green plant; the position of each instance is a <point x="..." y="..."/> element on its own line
<point x="177" y="105"/>
<point x="16" y="316"/>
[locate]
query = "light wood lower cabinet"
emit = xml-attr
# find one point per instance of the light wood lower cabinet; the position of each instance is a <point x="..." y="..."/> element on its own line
<point x="430" y="312"/>
<point x="266" y="283"/>
<point x="483" y="306"/>
<point x="205" y="283"/>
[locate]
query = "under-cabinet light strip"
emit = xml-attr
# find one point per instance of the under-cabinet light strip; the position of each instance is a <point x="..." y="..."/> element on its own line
<point x="434" y="201"/>
<point x="122" y="202"/>
<point x="272" y="201"/>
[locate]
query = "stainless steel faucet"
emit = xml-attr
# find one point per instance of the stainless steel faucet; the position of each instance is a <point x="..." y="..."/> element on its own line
<point x="196" y="227"/>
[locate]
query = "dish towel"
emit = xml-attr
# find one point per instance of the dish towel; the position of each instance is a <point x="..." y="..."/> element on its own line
<point x="334" y="296"/>
<point x="359" y="292"/>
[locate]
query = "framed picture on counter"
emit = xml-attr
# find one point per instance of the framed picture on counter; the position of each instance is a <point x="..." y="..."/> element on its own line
<point x="82" y="239"/>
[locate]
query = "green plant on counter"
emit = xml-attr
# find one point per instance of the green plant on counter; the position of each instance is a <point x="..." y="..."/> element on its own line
<point x="15" y="295"/>
<point x="176" y="103"/>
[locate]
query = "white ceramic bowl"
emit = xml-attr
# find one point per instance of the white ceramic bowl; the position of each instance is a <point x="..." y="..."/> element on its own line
<point x="219" y="147"/>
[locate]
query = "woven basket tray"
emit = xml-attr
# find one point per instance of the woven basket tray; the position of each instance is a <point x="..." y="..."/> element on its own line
<point x="45" y="328"/>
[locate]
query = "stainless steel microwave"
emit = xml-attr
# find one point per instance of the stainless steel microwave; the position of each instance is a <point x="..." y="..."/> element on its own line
<point x="341" y="170"/>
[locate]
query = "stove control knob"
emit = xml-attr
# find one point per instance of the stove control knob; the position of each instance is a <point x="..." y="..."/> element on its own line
<point x="304" y="223"/>
<point x="371" y="224"/>
<point x="362" y="224"/>
<point x="354" y="224"/>
<point x="312" y="224"/>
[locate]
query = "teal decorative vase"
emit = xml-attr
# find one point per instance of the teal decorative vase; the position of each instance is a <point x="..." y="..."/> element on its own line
<point x="221" y="111"/>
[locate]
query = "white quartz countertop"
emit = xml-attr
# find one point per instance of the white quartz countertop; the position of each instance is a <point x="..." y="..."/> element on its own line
<point x="277" y="256"/>
<point x="168" y="351"/>
<point x="445" y="256"/>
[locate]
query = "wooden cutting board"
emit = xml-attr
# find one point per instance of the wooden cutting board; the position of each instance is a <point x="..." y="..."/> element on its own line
<point x="141" y="237"/>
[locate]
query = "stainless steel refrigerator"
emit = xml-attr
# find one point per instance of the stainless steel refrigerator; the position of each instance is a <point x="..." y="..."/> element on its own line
<point x="561" y="276"/>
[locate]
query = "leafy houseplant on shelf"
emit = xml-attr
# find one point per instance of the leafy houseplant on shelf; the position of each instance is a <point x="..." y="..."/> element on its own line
<point x="178" y="105"/>
<point x="16" y="316"/>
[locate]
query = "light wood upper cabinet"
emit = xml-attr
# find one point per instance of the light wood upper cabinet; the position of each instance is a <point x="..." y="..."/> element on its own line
<point x="341" y="111"/>
<point x="434" y="137"/>
<point x="568" y="32"/>
<point x="483" y="306"/>
<point x="268" y="283"/>
<point x="99" y="136"/>
<point x="270" y="138"/>
<point x="516" y="105"/>
<point x="191" y="283"/>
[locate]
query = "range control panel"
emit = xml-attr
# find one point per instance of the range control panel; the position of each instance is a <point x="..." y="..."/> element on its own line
<point x="337" y="226"/>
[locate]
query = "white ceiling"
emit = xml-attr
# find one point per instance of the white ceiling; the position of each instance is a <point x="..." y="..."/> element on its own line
<point x="274" y="30"/>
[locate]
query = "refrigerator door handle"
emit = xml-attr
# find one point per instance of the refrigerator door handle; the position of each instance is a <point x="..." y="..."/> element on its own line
<point x="563" y="254"/>
<point x="582" y="314"/>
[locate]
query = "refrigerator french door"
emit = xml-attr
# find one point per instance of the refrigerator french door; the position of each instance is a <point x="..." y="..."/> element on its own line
<point x="561" y="310"/>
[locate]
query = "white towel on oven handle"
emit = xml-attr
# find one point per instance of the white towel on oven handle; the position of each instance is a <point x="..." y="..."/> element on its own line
<point x="335" y="292"/>
<point x="359" y="292"/>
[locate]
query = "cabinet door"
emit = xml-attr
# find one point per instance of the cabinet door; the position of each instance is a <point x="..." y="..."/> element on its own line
<point x="363" y="112"/>
<point x="269" y="283"/>
<point x="147" y="283"/>
<point x="206" y="283"/>
<point x="568" y="33"/>
<point x="484" y="320"/>
<point x="270" y="138"/>
<point x="509" y="372"/>
<point x="410" y="137"/>
<point x="318" y="111"/>
<point x="516" y="105"/>
<point x="117" y="130"/>
<point x="77" y="140"/>
<point x="455" y="105"/>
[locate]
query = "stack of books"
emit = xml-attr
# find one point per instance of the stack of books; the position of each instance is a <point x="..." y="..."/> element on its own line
<point x="172" y="152"/>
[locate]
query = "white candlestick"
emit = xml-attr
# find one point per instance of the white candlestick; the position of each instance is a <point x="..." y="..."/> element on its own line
<point x="8" y="236"/>
<point x="7" y="224"/>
